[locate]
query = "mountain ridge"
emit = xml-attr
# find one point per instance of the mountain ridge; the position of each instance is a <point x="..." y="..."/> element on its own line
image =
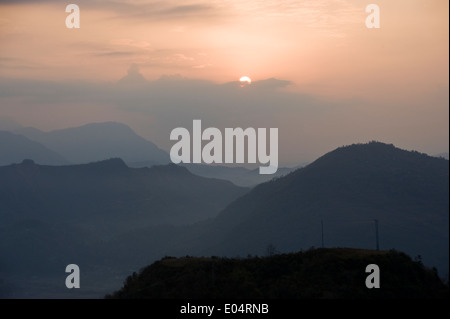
<point x="397" y="187"/>
<point x="98" y="141"/>
<point x="112" y="184"/>
<point x="15" y="148"/>
<point x="346" y="189"/>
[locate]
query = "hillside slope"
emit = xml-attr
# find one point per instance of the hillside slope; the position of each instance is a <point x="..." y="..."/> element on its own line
<point x="14" y="148"/>
<point x="317" y="274"/>
<point x="109" y="194"/>
<point x="98" y="141"/>
<point x="347" y="189"/>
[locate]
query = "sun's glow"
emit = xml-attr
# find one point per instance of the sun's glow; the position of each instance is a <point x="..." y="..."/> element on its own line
<point x="245" y="80"/>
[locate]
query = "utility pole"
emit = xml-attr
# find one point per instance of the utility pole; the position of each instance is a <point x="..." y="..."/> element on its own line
<point x="213" y="277"/>
<point x="376" y="234"/>
<point x="321" y="222"/>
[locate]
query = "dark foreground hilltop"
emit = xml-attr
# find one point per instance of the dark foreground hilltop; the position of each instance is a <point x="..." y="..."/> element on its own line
<point x="316" y="273"/>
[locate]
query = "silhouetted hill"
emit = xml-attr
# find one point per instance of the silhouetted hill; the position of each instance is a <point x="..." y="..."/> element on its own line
<point x="239" y="176"/>
<point x="347" y="189"/>
<point x="57" y="215"/>
<point x="318" y="274"/>
<point x="407" y="192"/>
<point x="108" y="192"/>
<point x="15" y="148"/>
<point x="98" y="141"/>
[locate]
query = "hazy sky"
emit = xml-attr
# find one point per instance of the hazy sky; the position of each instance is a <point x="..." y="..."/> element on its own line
<point x="318" y="73"/>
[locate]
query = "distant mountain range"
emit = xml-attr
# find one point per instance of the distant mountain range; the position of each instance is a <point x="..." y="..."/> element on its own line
<point x="99" y="141"/>
<point x="96" y="142"/>
<point x="15" y="148"/>
<point x="110" y="196"/>
<point x="240" y="176"/>
<point x="104" y="216"/>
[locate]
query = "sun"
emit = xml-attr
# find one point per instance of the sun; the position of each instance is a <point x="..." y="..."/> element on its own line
<point x="245" y="80"/>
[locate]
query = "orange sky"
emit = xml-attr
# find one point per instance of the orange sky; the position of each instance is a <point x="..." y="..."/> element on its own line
<point x="396" y="76"/>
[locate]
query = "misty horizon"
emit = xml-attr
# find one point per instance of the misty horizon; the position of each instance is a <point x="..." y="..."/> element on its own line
<point x="9" y="125"/>
<point x="318" y="74"/>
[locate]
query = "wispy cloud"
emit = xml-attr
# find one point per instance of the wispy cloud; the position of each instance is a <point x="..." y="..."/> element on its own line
<point x="114" y="53"/>
<point x="317" y="14"/>
<point x="18" y="64"/>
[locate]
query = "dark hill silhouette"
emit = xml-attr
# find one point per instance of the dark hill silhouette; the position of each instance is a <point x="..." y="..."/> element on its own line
<point x="14" y="148"/>
<point x="98" y="141"/>
<point x="109" y="195"/>
<point x="314" y="274"/>
<point x="347" y="188"/>
<point x="407" y="192"/>
<point x="51" y="216"/>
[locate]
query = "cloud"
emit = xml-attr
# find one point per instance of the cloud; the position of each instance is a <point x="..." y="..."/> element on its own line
<point x="202" y="66"/>
<point x="183" y="10"/>
<point x="12" y="2"/>
<point x="134" y="76"/>
<point x="166" y="8"/>
<point x="115" y="53"/>
<point x="308" y="125"/>
<point x="272" y="83"/>
<point x="153" y="9"/>
<point x="18" y="64"/>
<point x="171" y="100"/>
<point x="131" y="43"/>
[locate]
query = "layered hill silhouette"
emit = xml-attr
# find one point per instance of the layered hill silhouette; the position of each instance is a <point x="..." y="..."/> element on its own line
<point x="314" y="274"/>
<point x="239" y="176"/>
<point x="14" y="148"/>
<point x="99" y="141"/>
<point x="110" y="195"/>
<point x="51" y="216"/>
<point x="407" y="192"/>
<point x="96" y="142"/>
<point x="113" y="220"/>
<point x="346" y="189"/>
